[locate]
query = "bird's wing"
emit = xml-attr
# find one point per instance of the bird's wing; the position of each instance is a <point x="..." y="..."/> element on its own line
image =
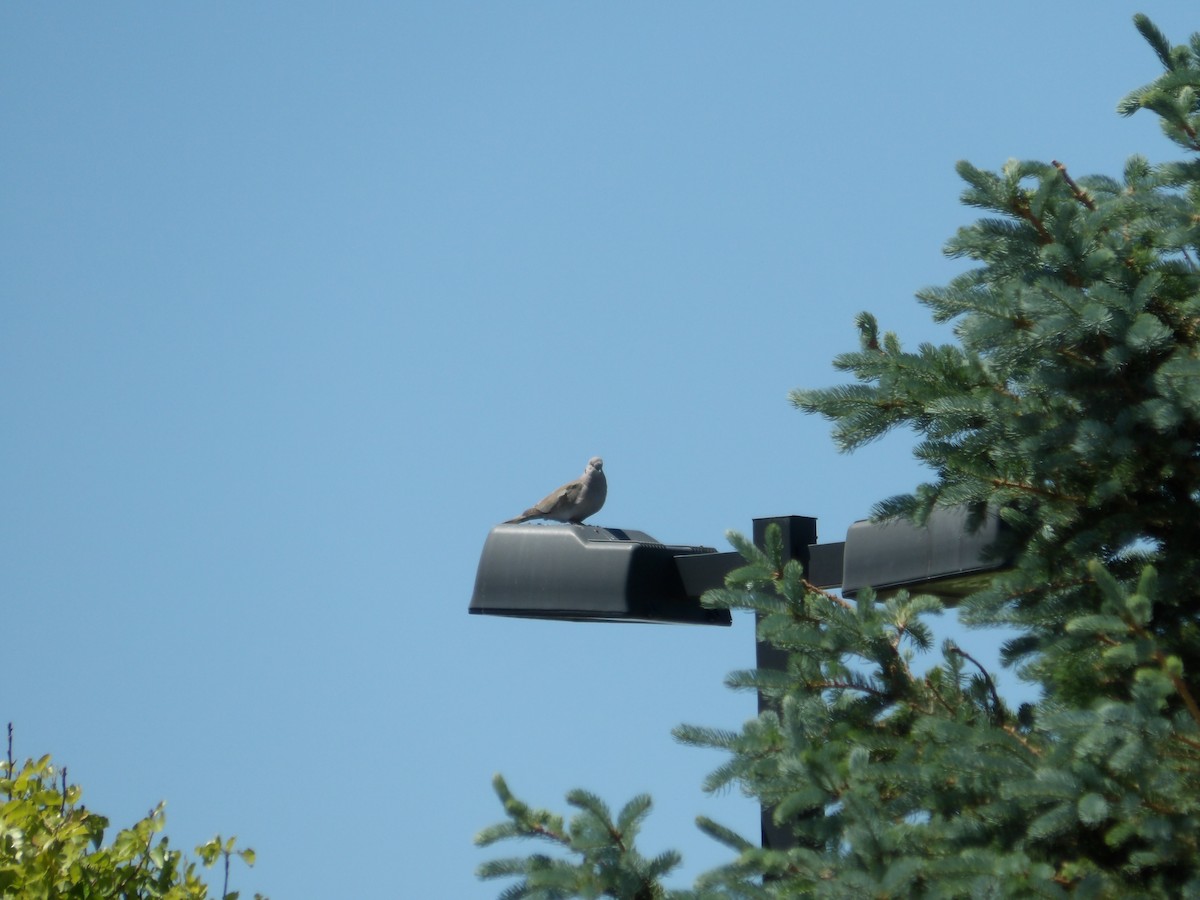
<point x="563" y="498"/>
<point x="553" y="505"/>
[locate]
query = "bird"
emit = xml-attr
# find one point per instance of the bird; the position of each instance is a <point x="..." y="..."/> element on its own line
<point x="574" y="501"/>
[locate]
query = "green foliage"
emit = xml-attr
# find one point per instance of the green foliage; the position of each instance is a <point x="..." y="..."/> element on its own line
<point x="1070" y="405"/>
<point x="608" y="864"/>
<point x="898" y="783"/>
<point x="52" y="847"/>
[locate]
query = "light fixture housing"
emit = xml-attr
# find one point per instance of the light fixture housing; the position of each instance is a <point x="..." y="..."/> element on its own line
<point x="941" y="557"/>
<point x="587" y="573"/>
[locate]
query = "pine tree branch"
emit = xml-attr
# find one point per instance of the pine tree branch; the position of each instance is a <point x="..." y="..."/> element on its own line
<point x="618" y="839"/>
<point x="1003" y="390"/>
<point x="1031" y="489"/>
<point x="937" y="696"/>
<point x="1023" y="210"/>
<point x="539" y="830"/>
<point x="1021" y="739"/>
<point x="1187" y="257"/>
<point x="898" y="662"/>
<point x="1184" y="739"/>
<point x="1033" y="590"/>
<point x="1080" y="358"/>
<point x="833" y="598"/>
<point x="1080" y="194"/>
<point x="997" y="706"/>
<point x="1181" y="687"/>
<point x="849" y="686"/>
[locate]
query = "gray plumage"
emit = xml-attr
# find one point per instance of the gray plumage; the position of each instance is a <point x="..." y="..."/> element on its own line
<point x="575" y="500"/>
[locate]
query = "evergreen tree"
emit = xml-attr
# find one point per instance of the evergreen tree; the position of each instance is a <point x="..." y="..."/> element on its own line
<point x="1070" y="406"/>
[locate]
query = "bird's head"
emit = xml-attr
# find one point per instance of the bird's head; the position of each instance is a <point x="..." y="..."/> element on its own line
<point x="595" y="464"/>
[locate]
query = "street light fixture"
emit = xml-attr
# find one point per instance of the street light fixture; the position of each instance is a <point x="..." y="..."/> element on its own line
<point x="577" y="573"/>
<point x="943" y="556"/>
<point x="588" y="573"/>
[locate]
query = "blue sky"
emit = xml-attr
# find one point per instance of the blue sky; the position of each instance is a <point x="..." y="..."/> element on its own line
<point x="299" y="300"/>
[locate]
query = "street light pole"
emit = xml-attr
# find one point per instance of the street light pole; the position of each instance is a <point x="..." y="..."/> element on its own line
<point x="822" y="568"/>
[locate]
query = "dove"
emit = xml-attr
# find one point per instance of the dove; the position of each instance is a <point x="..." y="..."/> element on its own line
<point x="575" y="500"/>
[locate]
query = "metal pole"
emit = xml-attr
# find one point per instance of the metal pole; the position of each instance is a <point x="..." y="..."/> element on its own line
<point x="822" y="568"/>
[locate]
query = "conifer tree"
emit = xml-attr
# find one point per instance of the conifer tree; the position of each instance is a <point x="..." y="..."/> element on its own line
<point x="1070" y="406"/>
